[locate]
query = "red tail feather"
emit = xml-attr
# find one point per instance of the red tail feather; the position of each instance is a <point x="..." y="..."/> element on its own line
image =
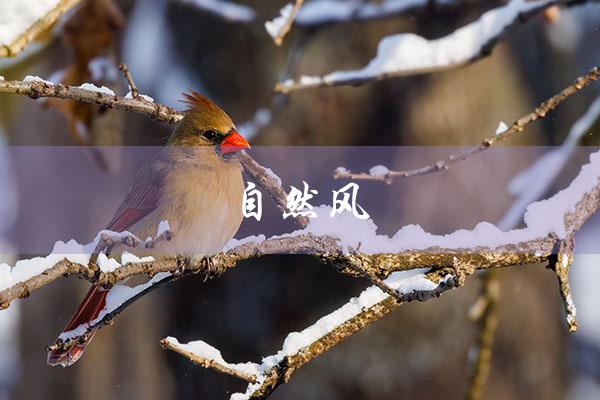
<point x="88" y="310"/>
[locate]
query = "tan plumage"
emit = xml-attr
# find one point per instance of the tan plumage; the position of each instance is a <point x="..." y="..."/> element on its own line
<point x="194" y="183"/>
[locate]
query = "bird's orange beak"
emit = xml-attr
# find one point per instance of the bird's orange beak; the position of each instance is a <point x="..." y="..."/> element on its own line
<point x="234" y="142"/>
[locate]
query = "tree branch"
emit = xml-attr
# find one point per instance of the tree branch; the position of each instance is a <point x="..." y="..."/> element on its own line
<point x="517" y="127"/>
<point x="396" y="54"/>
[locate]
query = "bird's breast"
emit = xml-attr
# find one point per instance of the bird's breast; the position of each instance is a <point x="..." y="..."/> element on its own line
<point x="203" y="207"/>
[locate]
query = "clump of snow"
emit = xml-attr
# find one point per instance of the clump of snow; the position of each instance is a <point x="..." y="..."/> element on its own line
<point x="379" y="170"/>
<point x="273" y="175"/>
<point x="26" y="269"/>
<point x="208" y="352"/>
<point x="33" y="78"/>
<point x="341" y="171"/>
<point x="277" y="24"/>
<point x="163" y="226"/>
<point x="310" y="80"/>
<point x="143" y="96"/>
<point x="549" y="215"/>
<point x="502" y="127"/>
<point x="226" y="9"/>
<point x="16" y="16"/>
<point x="99" y="89"/>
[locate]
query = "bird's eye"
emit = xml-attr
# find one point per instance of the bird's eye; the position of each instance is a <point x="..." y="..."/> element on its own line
<point x="210" y="135"/>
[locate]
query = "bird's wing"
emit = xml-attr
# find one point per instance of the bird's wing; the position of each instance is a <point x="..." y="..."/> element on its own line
<point x="141" y="200"/>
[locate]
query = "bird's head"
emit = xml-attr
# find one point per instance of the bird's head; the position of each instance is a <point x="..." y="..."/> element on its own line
<point x="206" y="124"/>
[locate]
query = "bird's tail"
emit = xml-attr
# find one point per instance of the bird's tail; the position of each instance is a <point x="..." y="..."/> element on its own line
<point x="93" y="302"/>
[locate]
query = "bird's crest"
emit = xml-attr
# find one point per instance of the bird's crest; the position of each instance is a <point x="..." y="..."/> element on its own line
<point x="199" y="103"/>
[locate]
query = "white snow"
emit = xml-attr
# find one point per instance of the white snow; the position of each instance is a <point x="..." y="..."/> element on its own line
<point x="226" y="9"/>
<point x="273" y="175"/>
<point x="143" y="96"/>
<point x="16" y="16"/>
<point x="341" y="171"/>
<point x="33" y="78"/>
<point x="407" y="53"/>
<point x="163" y="226"/>
<point x="208" y="352"/>
<point x="26" y="269"/>
<point x="322" y="11"/>
<point x="379" y="170"/>
<point x="502" y="127"/>
<point x="85" y="86"/>
<point x="99" y="89"/>
<point x="277" y="24"/>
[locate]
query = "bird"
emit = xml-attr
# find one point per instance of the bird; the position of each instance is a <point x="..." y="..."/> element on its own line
<point x="194" y="183"/>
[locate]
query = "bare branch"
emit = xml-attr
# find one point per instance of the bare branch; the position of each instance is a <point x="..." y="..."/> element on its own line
<point x="484" y="311"/>
<point x="517" y="127"/>
<point x="561" y="265"/>
<point x="132" y="87"/>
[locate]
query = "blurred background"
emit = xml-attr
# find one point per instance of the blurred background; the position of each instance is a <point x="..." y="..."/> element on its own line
<point x="420" y="351"/>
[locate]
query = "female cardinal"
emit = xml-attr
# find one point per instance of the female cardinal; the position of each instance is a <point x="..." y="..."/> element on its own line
<point x="194" y="183"/>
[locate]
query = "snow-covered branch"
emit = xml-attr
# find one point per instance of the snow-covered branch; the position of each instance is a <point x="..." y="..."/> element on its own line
<point x="383" y="174"/>
<point x="319" y="12"/>
<point x="228" y="10"/>
<point x="458" y="254"/>
<point x="409" y="54"/>
<point x="281" y="25"/>
<point x="24" y="20"/>
<point x="87" y="93"/>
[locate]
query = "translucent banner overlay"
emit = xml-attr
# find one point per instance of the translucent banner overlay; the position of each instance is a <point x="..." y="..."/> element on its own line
<point x="60" y="193"/>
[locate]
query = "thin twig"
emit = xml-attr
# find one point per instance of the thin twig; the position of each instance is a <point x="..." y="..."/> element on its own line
<point x="517" y="127"/>
<point x="485" y="312"/>
<point x="133" y="88"/>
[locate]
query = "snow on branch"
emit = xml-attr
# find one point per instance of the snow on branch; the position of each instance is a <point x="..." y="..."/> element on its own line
<point x="206" y="356"/>
<point x="228" y="10"/>
<point x="318" y="12"/>
<point x="383" y="174"/>
<point x="281" y="25"/>
<point x="408" y="54"/>
<point x="24" y="20"/>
